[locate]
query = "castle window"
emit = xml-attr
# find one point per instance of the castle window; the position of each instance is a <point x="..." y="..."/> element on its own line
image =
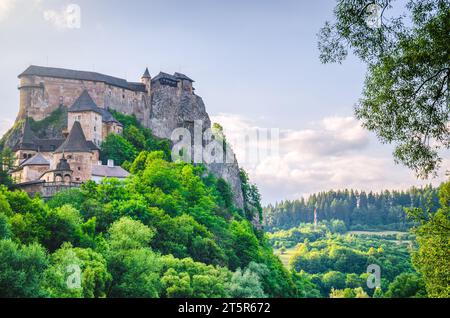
<point x="79" y="168"/>
<point x="95" y="128"/>
<point x="69" y="157"/>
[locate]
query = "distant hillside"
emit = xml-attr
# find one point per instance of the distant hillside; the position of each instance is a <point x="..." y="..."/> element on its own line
<point x="359" y="210"/>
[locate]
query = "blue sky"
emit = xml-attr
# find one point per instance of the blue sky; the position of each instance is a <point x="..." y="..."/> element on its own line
<point x="255" y="63"/>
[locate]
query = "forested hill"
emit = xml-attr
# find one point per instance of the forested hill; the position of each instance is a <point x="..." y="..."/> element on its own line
<point x="358" y="209"/>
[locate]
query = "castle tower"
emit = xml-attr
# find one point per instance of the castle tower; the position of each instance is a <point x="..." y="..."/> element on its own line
<point x="89" y="115"/>
<point x="79" y="153"/>
<point x="62" y="173"/>
<point x="26" y="146"/>
<point x="147" y="80"/>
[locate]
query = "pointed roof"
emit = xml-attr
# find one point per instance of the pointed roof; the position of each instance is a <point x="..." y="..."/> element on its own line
<point x="146" y="73"/>
<point x="163" y="75"/>
<point x="76" y="141"/>
<point x="183" y="77"/>
<point x="84" y="103"/>
<point x="28" y="139"/>
<point x="37" y="160"/>
<point x="63" y="165"/>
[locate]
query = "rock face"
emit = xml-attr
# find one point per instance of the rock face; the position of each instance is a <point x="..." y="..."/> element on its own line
<point x="171" y="109"/>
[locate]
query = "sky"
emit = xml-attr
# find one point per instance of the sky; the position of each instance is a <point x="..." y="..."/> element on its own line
<point x="255" y="64"/>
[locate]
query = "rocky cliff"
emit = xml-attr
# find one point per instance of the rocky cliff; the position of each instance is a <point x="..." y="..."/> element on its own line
<point x="171" y="108"/>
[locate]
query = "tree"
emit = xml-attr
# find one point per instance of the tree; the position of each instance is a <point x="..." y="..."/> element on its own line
<point x="245" y="284"/>
<point x="348" y="293"/>
<point x="406" y="285"/>
<point x="21" y="269"/>
<point x="94" y="277"/>
<point x="64" y="225"/>
<point x="433" y="237"/>
<point x="127" y="234"/>
<point x="6" y="163"/>
<point x="406" y="92"/>
<point x="133" y="265"/>
<point x="117" y="148"/>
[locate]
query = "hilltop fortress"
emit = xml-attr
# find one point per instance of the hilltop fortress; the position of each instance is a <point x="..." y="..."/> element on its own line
<point x="162" y="103"/>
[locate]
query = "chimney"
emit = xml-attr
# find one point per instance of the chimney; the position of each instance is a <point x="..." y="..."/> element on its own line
<point x="110" y="163"/>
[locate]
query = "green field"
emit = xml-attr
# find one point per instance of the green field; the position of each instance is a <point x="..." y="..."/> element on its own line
<point x="286" y="255"/>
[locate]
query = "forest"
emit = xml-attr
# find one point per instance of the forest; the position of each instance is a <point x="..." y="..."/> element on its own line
<point x="357" y="209"/>
<point x="169" y="230"/>
<point x="333" y="255"/>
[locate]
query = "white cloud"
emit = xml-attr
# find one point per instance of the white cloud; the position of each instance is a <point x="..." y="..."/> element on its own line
<point x="68" y="17"/>
<point x="5" y="125"/>
<point x="6" y="6"/>
<point x="334" y="153"/>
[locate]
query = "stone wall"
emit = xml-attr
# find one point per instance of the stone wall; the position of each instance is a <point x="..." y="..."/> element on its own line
<point x="39" y="96"/>
<point x="31" y="173"/>
<point x="90" y="122"/>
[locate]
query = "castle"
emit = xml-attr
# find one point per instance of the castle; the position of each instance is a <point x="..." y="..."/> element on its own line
<point x="162" y="103"/>
<point x="49" y="165"/>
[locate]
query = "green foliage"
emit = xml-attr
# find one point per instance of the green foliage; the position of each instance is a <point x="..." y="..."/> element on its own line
<point x="348" y="293"/>
<point x="94" y="274"/>
<point x="169" y="230"/>
<point x="56" y="121"/>
<point x="406" y="285"/>
<point x="245" y="284"/>
<point x="117" y="148"/>
<point x="433" y="237"/>
<point x="340" y="262"/>
<point x="63" y="225"/>
<point x="21" y="268"/>
<point x="123" y="149"/>
<point x="252" y="198"/>
<point x="358" y="210"/>
<point x="6" y="163"/>
<point x="406" y="92"/>
<point x="305" y="231"/>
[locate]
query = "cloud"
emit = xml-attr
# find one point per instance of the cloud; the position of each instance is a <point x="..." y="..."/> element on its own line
<point x="6" y="6"/>
<point x="5" y="125"/>
<point x="333" y="153"/>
